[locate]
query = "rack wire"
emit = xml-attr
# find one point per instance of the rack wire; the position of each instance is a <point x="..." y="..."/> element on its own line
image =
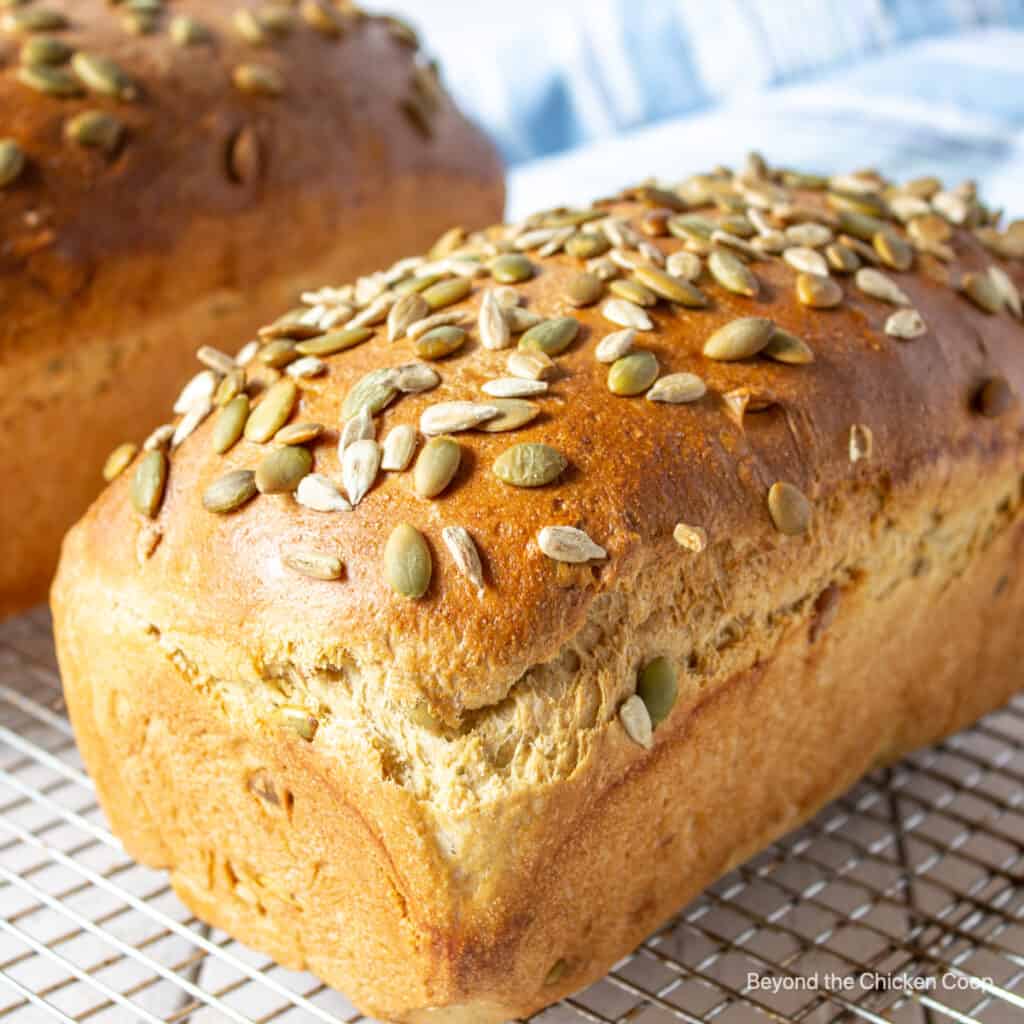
<point x="902" y="902"/>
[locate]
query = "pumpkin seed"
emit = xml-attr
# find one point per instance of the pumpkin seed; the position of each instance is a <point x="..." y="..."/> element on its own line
<point x="45" y="50"/>
<point x="520" y="319"/>
<point x="953" y="207"/>
<point x="587" y="246"/>
<point x="993" y="397"/>
<point x="930" y="229"/>
<point x="278" y="354"/>
<point x="584" y="289"/>
<point x="512" y="414"/>
<point x="732" y="273"/>
<point x="407" y="562"/>
<point x="789" y="508"/>
<point x="615" y="345"/>
<point x="893" y="251"/>
<point x="511" y="268"/>
<point x="404" y="313"/>
<point x="331" y="344"/>
<point x="491" y="323"/>
<point x="1007" y="290"/>
<point x="808" y="235"/>
<point x="12" y="162"/>
<point x="626" y="314"/>
<point x="672" y="289"/>
<point x="633" y="374"/>
<point x="693" y="538"/>
<point x="360" y="428"/>
<point x="552" y="337"/>
<point x="414" y="378"/>
<point x="531" y="365"/>
<point x="273" y="411"/>
<point x="231" y="491"/>
<point x="159" y="438"/>
<point x="658" y="688"/>
<point x="808" y="261"/>
<point x="318" y="492"/>
<point x="636" y="720"/>
<point x="321" y="16"/>
<point x="818" y="292"/>
<point x="140" y="22"/>
<point x="859" y="225"/>
<point x="739" y="339"/>
<point x="36" y="19"/>
<point x="299" y="433"/>
<point x="569" y="544"/>
<point x="375" y="391"/>
<point x="418" y="329"/>
<point x="317" y="565"/>
<point x="841" y="258"/>
<point x="95" y="129"/>
<point x="186" y="31"/>
<point x="677" y="389"/>
<point x="53" y="81"/>
<point x="440" y="342"/>
<point x="398" y="448"/>
<point x="453" y="417"/>
<point x="982" y="291"/>
<point x="280" y="470"/>
<point x="104" y="76"/>
<point x="685" y="265"/>
<point x="784" y="347"/>
<point x="874" y="283"/>
<point x="149" y="483"/>
<point x="905" y="324"/>
<point x="436" y="466"/>
<point x="360" y="464"/>
<point x="529" y="465"/>
<point x="514" y="387"/>
<point x="506" y="296"/>
<point x="230" y="423"/>
<point x="248" y="26"/>
<point x="465" y="555"/>
<point x="119" y="460"/>
<point x="447" y="292"/>
<point x="633" y="291"/>
<point x="258" y="80"/>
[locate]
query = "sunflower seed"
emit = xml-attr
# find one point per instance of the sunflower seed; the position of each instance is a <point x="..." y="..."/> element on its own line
<point x="421" y="327"/>
<point x="440" y="342"/>
<point x="739" y="339"/>
<point x="874" y="283"/>
<point x="529" y="465"/>
<point x="953" y="207"/>
<point x="452" y="417"/>
<point x="53" y="81"/>
<point x="552" y="337"/>
<point x="186" y="31"/>
<point x="359" y="428"/>
<point x="119" y="460"/>
<point x="398" y="448"/>
<point x="892" y="250"/>
<point x="862" y="442"/>
<point x="191" y="421"/>
<point x="273" y="411"/>
<point x="149" y="482"/>
<point x="514" y="387"/>
<point x="568" y="544"/>
<point x="1007" y="290"/>
<point x="982" y="291"/>
<point x="672" y="289"/>
<point x="231" y="491"/>
<point x="404" y="313"/>
<point x="465" y="555"/>
<point x="615" y="345"/>
<point x="583" y="289"/>
<point x="789" y="508"/>
<point x="376" y="390"/>
<point x="104" y="76"/>
<point x="633" y="291"/>
<point x="633" y="374"/>
<point x="677" y="389"/>
<point x="258" y="80"/>
<point x="318" y="565"/>
<point x="436" y="466"/>
<point x="905" y="324"/>
<point x="307" y="366"/>
<point x="693" y="538"/>
<point x="506" y="296"/>
<point x="929" y="229"/>
<point x="159" y="438"/>
<point x="407" y="562"/>
<point x="413" y="378"/>
<point x="626" y="314"/>
<point x="359" y="466"/>
<point x="809" y="235"/>
<point x="784" y="347"/>
<point x="12" y="162"/>
<point x="331" y="344"/>
<point x="247" y="353"/>
<point x="219" y="362"/>
<point x="993" y="397"/>
<point x="531" y="365"/>
<point x="318" y="492"/>
<point x="732" y="273"/>
<point x="492" y="324"/>
<point x="685" y="265"/>
<point x="512" y="414"/>
<point x="818" y="292"/>
<point x="636" y="720"/>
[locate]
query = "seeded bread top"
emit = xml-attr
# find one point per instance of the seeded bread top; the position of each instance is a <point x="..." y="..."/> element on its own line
<point x="133" y="128"/>
<point x="429" y="475"/>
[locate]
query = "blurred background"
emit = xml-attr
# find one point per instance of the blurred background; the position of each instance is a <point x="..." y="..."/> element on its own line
<point x="587" y="95"/>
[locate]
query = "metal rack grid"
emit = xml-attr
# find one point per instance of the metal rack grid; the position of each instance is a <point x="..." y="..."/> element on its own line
<point x="915" y="874"/>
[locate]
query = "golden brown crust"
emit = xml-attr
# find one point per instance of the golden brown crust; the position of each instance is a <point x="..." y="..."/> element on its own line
<point x="216" y="209"/>
<point x="469" y="748"/>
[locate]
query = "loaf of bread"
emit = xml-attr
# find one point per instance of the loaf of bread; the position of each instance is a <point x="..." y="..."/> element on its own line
<point x="469" y="639"/>
<point x="174" y="178"/>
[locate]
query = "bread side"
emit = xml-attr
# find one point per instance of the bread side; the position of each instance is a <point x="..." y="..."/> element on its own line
<point x="209" y="208"/>
<point x="472" y="742"/>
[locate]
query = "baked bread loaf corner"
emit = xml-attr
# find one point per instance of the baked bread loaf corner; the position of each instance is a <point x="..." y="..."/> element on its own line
<point x="177" y="176"/>
<point x="509" y="596"/>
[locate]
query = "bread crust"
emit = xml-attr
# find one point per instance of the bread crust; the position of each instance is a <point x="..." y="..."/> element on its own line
<point x="216" y="210"/>
<point x="471" y="832"/>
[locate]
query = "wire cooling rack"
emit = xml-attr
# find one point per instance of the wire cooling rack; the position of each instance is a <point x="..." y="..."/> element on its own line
<point x="901" y="902"/>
